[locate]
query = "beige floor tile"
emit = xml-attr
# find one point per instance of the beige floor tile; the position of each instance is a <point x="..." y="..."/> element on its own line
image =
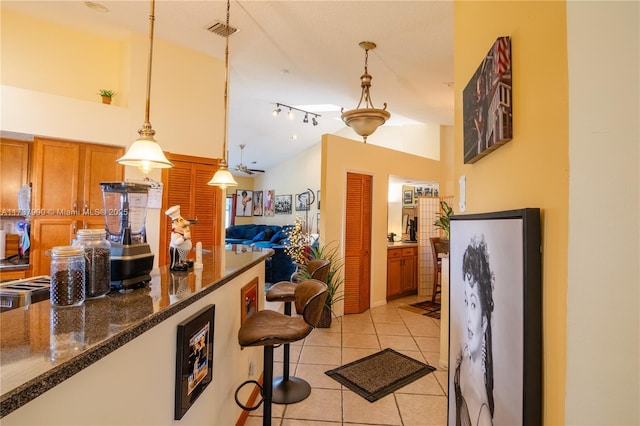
<point x="398" y="343"/>
<point x="381" y="412"/>
<point x="363" y="327"/>
<point x="277" y="410"/>
<point x="360" y="341"/>
<point x="443" y="379"/>
<point x="321" y="355"/>
<point x="298" y="422"/>
<point x="427" y="385"/>
<point x="322" y="404"/>
<point x="387" y="318"/>
<point x="352" y="354"/>
<point x="314" y="375"/>
<point x="422" y="410"/>
<point x="392" y="330"/>
<point x="323" y="338"/>
<point x="426" y="329"/>
<point x="428" y="344"/>
<point x="359" y="318"/>
<point x="336" y="326"/>
<point x="433" y="358"/>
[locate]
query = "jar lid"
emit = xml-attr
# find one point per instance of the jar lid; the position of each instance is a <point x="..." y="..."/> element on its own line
<point x="66" y="251"/>
<point x="91" y="233"/>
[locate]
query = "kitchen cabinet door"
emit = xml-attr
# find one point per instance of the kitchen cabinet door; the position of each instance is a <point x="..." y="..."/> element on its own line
<point x="56" y="166"/>
<point x="45" y="234"/>
<point x="14" y="173"/>
<point x="98" y="165"/>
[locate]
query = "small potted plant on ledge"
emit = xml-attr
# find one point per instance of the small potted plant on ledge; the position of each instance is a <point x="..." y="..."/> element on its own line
<point x="334" y="279"/>
<point x="106" y="95"/>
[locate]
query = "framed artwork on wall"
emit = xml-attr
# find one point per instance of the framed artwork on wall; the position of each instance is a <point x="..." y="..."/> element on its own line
<point x="486" y="104"/>
<point x="283" y="204"/>
<point x="194" y="359"/>
<point x="495" y="318"/>
<point x="244" y="202"/>
<point x="249" y="300"/>
<point x="318" y="199"/>
<point x="257" y="203"/>
<point x="407" y="199"/>
<point x="302" y="201"/>
<point x="269" y="202"/>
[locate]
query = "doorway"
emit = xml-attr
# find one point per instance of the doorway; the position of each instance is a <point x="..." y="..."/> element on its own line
<point x="357" y="244"/>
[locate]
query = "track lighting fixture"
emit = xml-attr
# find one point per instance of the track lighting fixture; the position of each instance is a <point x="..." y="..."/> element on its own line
<point x="305" y="120"/>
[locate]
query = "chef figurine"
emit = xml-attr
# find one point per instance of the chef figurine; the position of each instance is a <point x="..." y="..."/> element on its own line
<point x="180" y="240"/>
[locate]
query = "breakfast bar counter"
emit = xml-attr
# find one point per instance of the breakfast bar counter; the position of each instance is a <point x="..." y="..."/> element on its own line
<point x="43" y="348"/>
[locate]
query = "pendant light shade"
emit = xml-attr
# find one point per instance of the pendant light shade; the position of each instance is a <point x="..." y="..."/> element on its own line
<point x="223" y="177"/>
<point x="365" y="121"/>
<point x="145" y="153"/>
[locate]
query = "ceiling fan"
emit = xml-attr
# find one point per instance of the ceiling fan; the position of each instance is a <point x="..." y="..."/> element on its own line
<point x="244" y="169"/>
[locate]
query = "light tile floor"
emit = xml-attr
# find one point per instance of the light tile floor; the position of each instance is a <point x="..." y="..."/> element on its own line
<point x="423" y="402"/>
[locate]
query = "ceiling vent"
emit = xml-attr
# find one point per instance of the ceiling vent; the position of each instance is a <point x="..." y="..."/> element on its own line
<point x="221" y="29"/>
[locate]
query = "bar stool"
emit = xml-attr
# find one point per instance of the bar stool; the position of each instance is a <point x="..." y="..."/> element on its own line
<point x="288" y="389"/>
<point x="269" y="328"/>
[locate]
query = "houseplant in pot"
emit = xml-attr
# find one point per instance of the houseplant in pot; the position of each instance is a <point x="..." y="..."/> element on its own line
<point x="106" y="95"/>
<point x="334" y="278"/>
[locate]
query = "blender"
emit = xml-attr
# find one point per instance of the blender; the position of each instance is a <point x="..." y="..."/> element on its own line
<point x="125" y="205"/>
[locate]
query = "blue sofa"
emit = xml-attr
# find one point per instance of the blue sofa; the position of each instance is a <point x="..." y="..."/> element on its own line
<point x="278" y="267"/>
<point x="258" y="235"/>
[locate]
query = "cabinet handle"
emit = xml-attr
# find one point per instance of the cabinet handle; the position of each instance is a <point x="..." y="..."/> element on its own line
<point x="75" y="205"/>
<point x="75" y="228"/>
<point x="86" y="205"/>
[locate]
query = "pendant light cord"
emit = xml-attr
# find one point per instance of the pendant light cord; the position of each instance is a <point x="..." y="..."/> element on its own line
<point x="226" y="90"/>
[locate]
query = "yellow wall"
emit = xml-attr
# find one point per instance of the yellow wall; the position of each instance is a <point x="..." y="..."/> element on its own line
<point x="532" y="169"/>
<point x="49" y="58"/>
<point x="339" y="156"/>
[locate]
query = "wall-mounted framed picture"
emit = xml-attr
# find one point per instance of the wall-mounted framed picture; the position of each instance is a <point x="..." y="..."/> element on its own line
<point x="486" y="104"/>
<point x="244" y="202"/>
<point x="249" y="299"/>
<point x="194" y="359"/>
<point x="269" y="202"/>
<point x="257" y="203"/>
<point x="283" y="204"/>
<point x="303" y="202"/>
<point x="495" y="318"/>
<point x="407" y="198"/>
<point x="318" y="199"/>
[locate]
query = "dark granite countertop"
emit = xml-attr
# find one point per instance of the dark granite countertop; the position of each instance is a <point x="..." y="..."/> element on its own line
<point x="41" y="346"/>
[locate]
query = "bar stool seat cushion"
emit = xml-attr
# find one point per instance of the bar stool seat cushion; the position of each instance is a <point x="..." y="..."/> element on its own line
<point x="283" y="291"/>
<point x="268" y="327"/>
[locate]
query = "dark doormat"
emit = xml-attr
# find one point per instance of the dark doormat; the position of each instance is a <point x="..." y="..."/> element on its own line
<point x="427" y="307"/>
<point x="380" y="374"/>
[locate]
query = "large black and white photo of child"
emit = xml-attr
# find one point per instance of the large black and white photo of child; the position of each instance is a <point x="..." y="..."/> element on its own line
<point x="486" y="323"/>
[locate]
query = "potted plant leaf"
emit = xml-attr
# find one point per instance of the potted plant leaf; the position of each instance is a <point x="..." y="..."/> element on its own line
<point x="106" y="95"/>
<point x="443" y="221"/>
<point x="334" y="279"/>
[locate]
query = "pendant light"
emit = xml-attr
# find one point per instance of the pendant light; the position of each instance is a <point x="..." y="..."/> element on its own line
<point x="365" y="121"/>
<point x="145" y="153"/>
<point x="223" y="177"/>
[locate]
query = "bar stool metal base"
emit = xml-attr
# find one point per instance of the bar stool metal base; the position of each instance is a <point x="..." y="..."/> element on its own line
<point x="289" y="391"/>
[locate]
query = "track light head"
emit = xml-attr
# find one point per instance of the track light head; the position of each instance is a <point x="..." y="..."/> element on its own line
<point x="314" y="121"/>
<point x="306" y="118"/>
<point x="276" y="112"/>
<point x="290" y="114"/>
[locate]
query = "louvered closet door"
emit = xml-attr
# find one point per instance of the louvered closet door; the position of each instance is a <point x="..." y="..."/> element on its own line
<point x="357" y="244"/>
<point x="185" y="185"/>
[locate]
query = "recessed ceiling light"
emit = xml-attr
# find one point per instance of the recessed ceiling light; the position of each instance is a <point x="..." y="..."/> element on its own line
<point x="95" y="6"/>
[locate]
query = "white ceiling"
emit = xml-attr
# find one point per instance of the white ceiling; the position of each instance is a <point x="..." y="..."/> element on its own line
<point x="298" y="52"/>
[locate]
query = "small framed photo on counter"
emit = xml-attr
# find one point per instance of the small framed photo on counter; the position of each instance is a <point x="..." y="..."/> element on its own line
<point x="194" y="358"/>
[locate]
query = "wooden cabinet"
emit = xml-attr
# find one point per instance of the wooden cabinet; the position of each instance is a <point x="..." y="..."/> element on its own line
<point x="66" y="192"/>
<point x="14" y="173"/>
<point x="401" y="271"/>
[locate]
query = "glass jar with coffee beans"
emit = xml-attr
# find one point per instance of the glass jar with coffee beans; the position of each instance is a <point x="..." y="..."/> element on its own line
<point x="67" y="276"/>
<point x="97" y="259"/>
